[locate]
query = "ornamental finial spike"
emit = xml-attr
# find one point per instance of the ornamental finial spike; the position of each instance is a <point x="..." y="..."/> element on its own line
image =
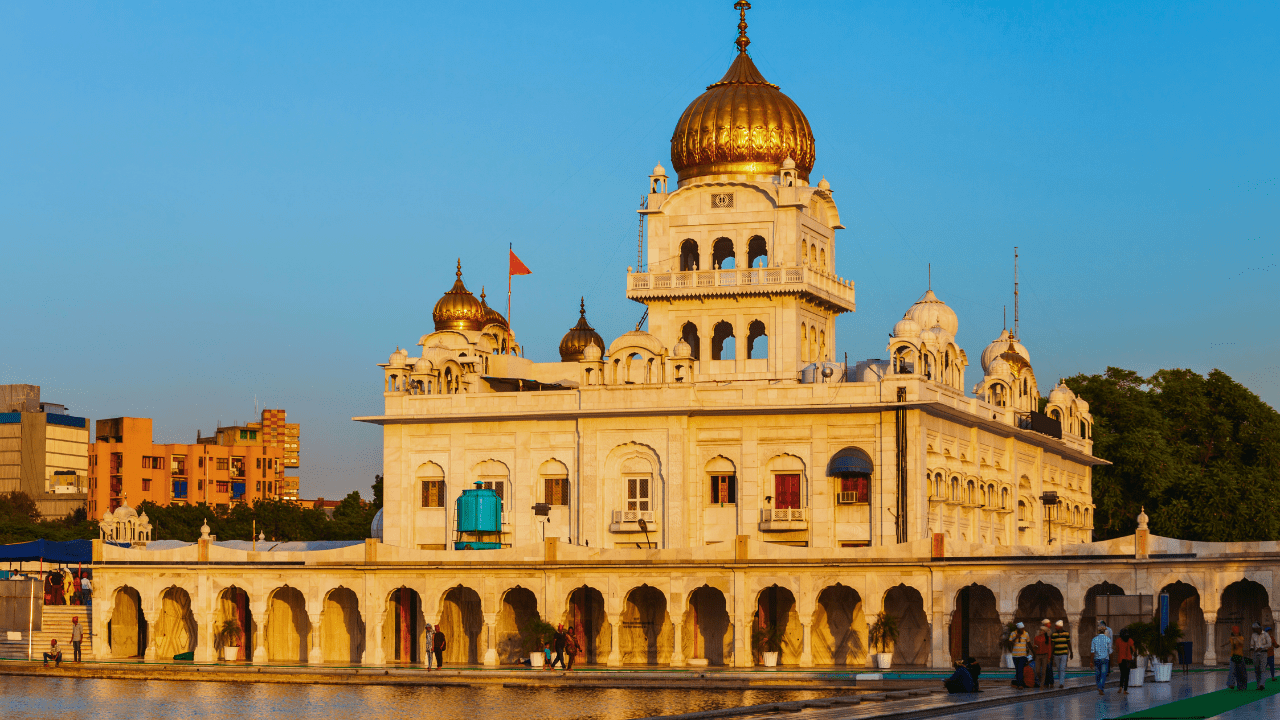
<point x="742" y="6"/>
<point x="582" y="306"/>
<point x="459" y="268"/>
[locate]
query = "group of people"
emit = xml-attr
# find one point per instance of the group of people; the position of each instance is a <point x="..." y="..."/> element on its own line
<point x="562" y="649"/>
<point x="77" y="638"/>
<point x="435" y="645"/>
<point x="1046" y="655"/>
<point x="65" y="587"/>
<point x="1262" y="649"/>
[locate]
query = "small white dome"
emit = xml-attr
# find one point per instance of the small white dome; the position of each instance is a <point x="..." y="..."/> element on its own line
<point x="823" y="184"/>
<point x="929" y="311"/>
<point x="422" y="365"/>
<point x="375" y="528"/>
<point x="788" y="164"/>
<point x="398" y="358"/>
<point x="592" y="353"/>
<point x="659" y="170"/>
<point x="937" y="336"/>
<point x="1061" y="395"/>
<point x="682" y="349"/>
<point x="1001" y="345"/>
<point x="907" y="328"/>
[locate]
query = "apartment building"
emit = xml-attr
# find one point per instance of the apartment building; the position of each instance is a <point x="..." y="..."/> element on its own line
<point x="271" y="430"/>
<point x="43" y="450"/>
<point x="126" y="463"/>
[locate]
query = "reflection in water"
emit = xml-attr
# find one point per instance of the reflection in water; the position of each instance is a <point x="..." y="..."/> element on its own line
<point x="61" y="698"/>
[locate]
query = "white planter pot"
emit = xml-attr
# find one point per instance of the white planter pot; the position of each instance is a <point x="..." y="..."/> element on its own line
<point x="883" y="660"/>
<point x="1136" y="677"/>
<point x="770" y="659"/>
<point x="1162" y="672"/>
<point x="230" y="653"/>
<point x="1006" y="660"/>
<point x="536" y="660"/>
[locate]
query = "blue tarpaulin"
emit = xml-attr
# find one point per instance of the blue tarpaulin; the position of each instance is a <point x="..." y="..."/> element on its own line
<point x="69" y="551"/>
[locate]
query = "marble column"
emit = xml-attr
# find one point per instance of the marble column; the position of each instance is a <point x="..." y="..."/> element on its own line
<point x="204" y="642"/>
<point x="677" y="644"/>
<point x="101" y="616"/>
<point x="615" y="633"/>
<point x="1210" y="639"/>
<point x="150" y="616"/>
<point x="806" y="644"/>
<point x="315" y="654"/>
<point x="491" y="639"/>
<point x="258" y="609"/>
<point x="1073" y="620"/>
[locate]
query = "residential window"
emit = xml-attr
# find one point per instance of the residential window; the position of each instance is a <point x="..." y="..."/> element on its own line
<point x="146" y="484"/>
<point x="497" y="487"/>
<point x="724" y="489"/>
<point x="556" y="491"/>
<point x="852" y="490"/>
<point x="638" y="494"/>
<point x="786" y="492"/>
<point x="259" y="486"/>
<point x="257" y="462"/>
<point x="432" y="493"/>
<point x="237" y="467"/>
<point x="224" y="486"/>
<point x="200" y="461"/>
<point x="253" y="434"/>
<point x="223" y="464"/>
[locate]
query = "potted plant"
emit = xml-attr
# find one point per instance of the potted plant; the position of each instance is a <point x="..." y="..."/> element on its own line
<point x="536" y="636"/>
<point x="230" y="635"/>
<point x="883" y="633"/>
<point x="766" y="642"/>
<point x="1163" y="647"/>
<point x="1006" y="645"/>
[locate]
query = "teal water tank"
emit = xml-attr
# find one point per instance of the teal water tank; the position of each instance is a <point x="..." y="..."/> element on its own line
<point x="479" y="511"/>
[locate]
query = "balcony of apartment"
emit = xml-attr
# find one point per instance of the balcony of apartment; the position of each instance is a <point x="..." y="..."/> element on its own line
<point x="747" y="281"/>
<point x="629" y="521"/>
<point x="784" y="519"/>
<point x="179" y="489"/>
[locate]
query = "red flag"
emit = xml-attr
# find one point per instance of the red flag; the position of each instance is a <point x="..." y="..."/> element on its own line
<point x="517" y="267"/>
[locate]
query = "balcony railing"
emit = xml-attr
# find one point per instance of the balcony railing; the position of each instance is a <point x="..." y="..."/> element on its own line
<point x="702" y="282"/>
<point x="784" y="519"/>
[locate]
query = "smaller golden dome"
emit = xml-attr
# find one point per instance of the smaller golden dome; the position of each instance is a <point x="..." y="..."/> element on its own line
<point x="491" y="316"/>
<point x="459" y="309"/>
<point x="579" y="337"/>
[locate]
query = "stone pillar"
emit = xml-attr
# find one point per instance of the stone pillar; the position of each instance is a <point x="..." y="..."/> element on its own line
<point x="315" y="654"/>
<point x="1210" y="641"/>
<point x="150" y="616"/>
<point x="102" y="612"/>
<point x="939" y="651"/>
<point x="806" y="644"/>
<point x="1073" y="622"/>
<point x="373" y="639"/>
<point x="204" y="642"/>
<point x="615" y="632"/>
<point x="258" y="608"/>
<point x="677" y="644"/>
<point x="491" y="639"/>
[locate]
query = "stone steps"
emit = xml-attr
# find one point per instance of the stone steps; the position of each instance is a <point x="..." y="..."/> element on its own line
<point x="55" y="624"/>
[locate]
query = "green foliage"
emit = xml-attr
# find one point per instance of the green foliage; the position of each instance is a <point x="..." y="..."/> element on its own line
<point x="1148" y="640"/>
<point x="1200" y="453"/>
<point x="883" y="631"/>
<point x="536" y="634"/>
<point x="765" y="639"/>
<point x="20" y="522"/>
<point x="230" y="634"/>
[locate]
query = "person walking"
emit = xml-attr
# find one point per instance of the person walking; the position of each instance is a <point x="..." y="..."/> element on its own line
<point x="86" y="589"/>
<point x="1062" y="650"/>
<point x="571" y="648"/>
<point x="1271" y="654"/>
<point x="1124" y="655"/>
<point x="429" y="646"/>
<point x="1043" y="648"/>
<point x="1259" y="643"/>
<point x="438" y="646"/>
<point x="1237" y="676"/>
<point x="558" y="642"/>
<point x="1021" y="642"/>
<point x="77" y="636"/>
<point x="1101" y="650"/>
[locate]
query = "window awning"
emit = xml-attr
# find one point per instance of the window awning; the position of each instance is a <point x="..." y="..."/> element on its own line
<point x="850" y="461"/>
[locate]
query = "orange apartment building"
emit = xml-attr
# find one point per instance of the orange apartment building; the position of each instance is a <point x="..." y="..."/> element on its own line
<point x="125" y="464"/>
<point x="272" y="430"/>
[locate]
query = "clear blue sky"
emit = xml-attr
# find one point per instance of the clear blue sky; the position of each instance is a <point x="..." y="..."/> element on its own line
<point x="201" y="204"/>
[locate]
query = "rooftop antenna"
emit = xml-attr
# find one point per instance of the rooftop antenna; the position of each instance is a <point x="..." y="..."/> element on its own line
<point x="930" y="277"/>
<point x="1005" y="321"/>
<point x="1016" y="336"/>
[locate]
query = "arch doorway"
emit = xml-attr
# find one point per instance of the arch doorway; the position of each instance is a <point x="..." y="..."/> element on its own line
<point x="586" y="615"/>
<point x="975" y="626"/>
<point x="708" y="632"/>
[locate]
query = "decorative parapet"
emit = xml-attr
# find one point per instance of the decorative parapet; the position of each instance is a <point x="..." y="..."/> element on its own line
<point x="834" y="291"/>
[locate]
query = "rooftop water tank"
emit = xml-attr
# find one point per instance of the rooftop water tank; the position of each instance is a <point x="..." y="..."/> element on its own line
<point x="479" y="511"/>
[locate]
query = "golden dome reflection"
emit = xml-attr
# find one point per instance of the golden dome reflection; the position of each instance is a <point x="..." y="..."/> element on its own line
<point x="459" y="309"/>
<point x="742" y="125"/>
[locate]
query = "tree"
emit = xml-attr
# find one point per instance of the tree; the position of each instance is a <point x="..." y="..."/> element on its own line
<point x="1200" y="453"/>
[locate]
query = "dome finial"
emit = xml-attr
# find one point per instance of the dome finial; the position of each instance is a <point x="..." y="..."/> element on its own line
<point x="582" y="306"/>
<point x="742" y="6"/>
<point x="459" y="268"/>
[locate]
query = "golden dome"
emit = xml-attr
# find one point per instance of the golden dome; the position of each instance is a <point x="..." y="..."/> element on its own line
<point x="742" y="125"/>
<point x="491" y="316"/>
<point x="579" y="337"/>
<point x="459" y="309"/>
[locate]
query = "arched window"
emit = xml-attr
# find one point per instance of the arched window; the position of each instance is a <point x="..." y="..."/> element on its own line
<point x="688" y="255"/>
<point x="1022" y="511"/>
<point x="555" y="482"/>
<point x="431" y="481"/>
<point x="635" y="369"/>
<point x="939" y="486"/>
<point x="822" y="345"/>
<point x="722" y="347"/>
<point x="813" y="345"/>
<point x="757" y="252"/>
<point x="1004" y="499"/>
<point x="813" y="254"/>
<point x="689" y="333"/>
<point x="972" y="498"/>
<point x="723" y="480"/>
<point x="757" y="341"/>
<point x="493" y="475"/>
<point x="822" y="258"/>
<point x="851" y="468"/>
<point x="804" y="342"/>
<point x="722" y="257"/>
<point x="955" y="488"/>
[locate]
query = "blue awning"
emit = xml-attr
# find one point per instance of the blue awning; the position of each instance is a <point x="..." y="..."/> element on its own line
<point x="69" y="551"/>
<point x="849" y="462"/>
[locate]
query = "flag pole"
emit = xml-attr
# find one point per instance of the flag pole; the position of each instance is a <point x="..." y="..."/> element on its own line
<point x="510" y="249"/>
